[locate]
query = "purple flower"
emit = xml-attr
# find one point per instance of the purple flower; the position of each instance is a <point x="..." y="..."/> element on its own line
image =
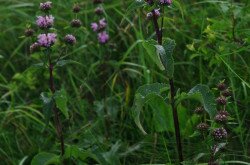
<point x="103" y="37"/>
<point x="166" y="2"/>
<point x="151" y="14"/>
<point x="46" y="40"/>
<point x="45" y="21"/>
<point x="94" y="26"/>
<point x="102" y="24"/>
<point x="46" y="6"/>
<point x="70" y="39"/>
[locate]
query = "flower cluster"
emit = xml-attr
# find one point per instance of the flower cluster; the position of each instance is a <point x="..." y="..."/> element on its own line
<point x="156" y="12"/>
<point x="100" y="26"/>
<point x="218" y="132"/>
<point x="46" y="22"/>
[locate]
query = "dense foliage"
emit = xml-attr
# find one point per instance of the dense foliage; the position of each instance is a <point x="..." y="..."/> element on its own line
<point x="112" y="96"/>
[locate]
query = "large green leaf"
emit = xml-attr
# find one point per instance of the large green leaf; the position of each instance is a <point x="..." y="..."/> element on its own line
<point x="45" y="158"/>
<point x="144" y="94"/>
<point x="153" y="50"/>
<point x="48" y="104"/>
<point x="167" y="58"/>
<point x="61" y="102"/>
<point x="206" y="97"/>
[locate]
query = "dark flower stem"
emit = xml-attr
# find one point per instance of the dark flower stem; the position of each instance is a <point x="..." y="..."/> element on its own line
<point x="172" y="91"/>
<point x="55" y="110"/>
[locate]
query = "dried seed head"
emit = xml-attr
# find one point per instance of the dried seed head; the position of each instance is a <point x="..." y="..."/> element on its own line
<point x="76" y="23"/>
<point x="76" y="8"/>
<point x="199" y="110"/>
<point x="202" y="127"/>
<point x="221" y="100"/>
<point x="226" y="93"/>
<point x="219" y="134"/>
<point x="29" y="32"/>
<point x="221" y="86"/>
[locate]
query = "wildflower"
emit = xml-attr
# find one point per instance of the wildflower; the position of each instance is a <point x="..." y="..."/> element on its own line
<point x="166" y="2"/>
<point x="76" y="23"/>
<point x="102" y="24"/>
<point x="202" y="127"/>
<point x="76" y="8"/>
<point x="70" y="39"/>
<point x="46" y="40"/>
<point x="34" y="47"/>
<point x="44" y="22"/>
<point x="99" y="11"/>
<point x="103" y="37"/>
<point x="219" y="133"/>
<point x="221" y="86"/>
<point x="221" y="100"/>
<point x="94" y="26"/>
<point x="29" y="32"/>
<point x="45" y="6"/>
<point x="199" y="110"/>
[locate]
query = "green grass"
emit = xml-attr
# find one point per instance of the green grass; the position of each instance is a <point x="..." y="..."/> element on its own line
<point x="212" y="40"/>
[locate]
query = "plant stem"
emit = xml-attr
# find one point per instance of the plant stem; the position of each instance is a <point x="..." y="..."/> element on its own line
<point x="55" y="110"/>
<point x="172" y="91"/>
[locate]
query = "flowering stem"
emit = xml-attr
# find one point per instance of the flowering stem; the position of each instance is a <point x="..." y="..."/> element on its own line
<point x="172" y="91"/>
<point x="55" y="110"/>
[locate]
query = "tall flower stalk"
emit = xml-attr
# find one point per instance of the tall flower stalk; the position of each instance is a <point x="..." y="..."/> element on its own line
<point x="154" y="15"/>
<point x="45" y="43"/>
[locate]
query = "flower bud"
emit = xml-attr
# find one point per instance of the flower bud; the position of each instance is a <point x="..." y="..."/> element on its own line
<point x="226" y="93"/>
<point x="150" y="2"/>
<point x="46" y="6"/>
<point x="29" y="32"/>
<point x="76" y="8"/>
<point x="199" y="110"/>
<point x="99" y="11"/>
<point x="34" y="47"/>
<point x="221" y="86"/>
<point x="76" y="23"/>
<point x="221" y="117"/>
<point x="202" y="127"/>
<point x="70" y="39"/>
<point x="166" y="2"/>
<point x="221" y="100"/>
<point x="219" y="134"/>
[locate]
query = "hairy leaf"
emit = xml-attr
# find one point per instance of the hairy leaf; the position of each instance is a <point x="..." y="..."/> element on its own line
<point x="144" y="94"/>
<point x="61" y="102"/>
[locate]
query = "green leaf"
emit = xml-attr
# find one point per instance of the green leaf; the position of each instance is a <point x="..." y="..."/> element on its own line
<point x="48" y="105"/>
<point x="153" y="50"/>
<point x="135" y="5"/>
<point x="167" y="58"/>
<point x="206" y="97"/>
<point x="45" y="158"/>
<point x="61" y="102"/>
<point x="142" y="96"/>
